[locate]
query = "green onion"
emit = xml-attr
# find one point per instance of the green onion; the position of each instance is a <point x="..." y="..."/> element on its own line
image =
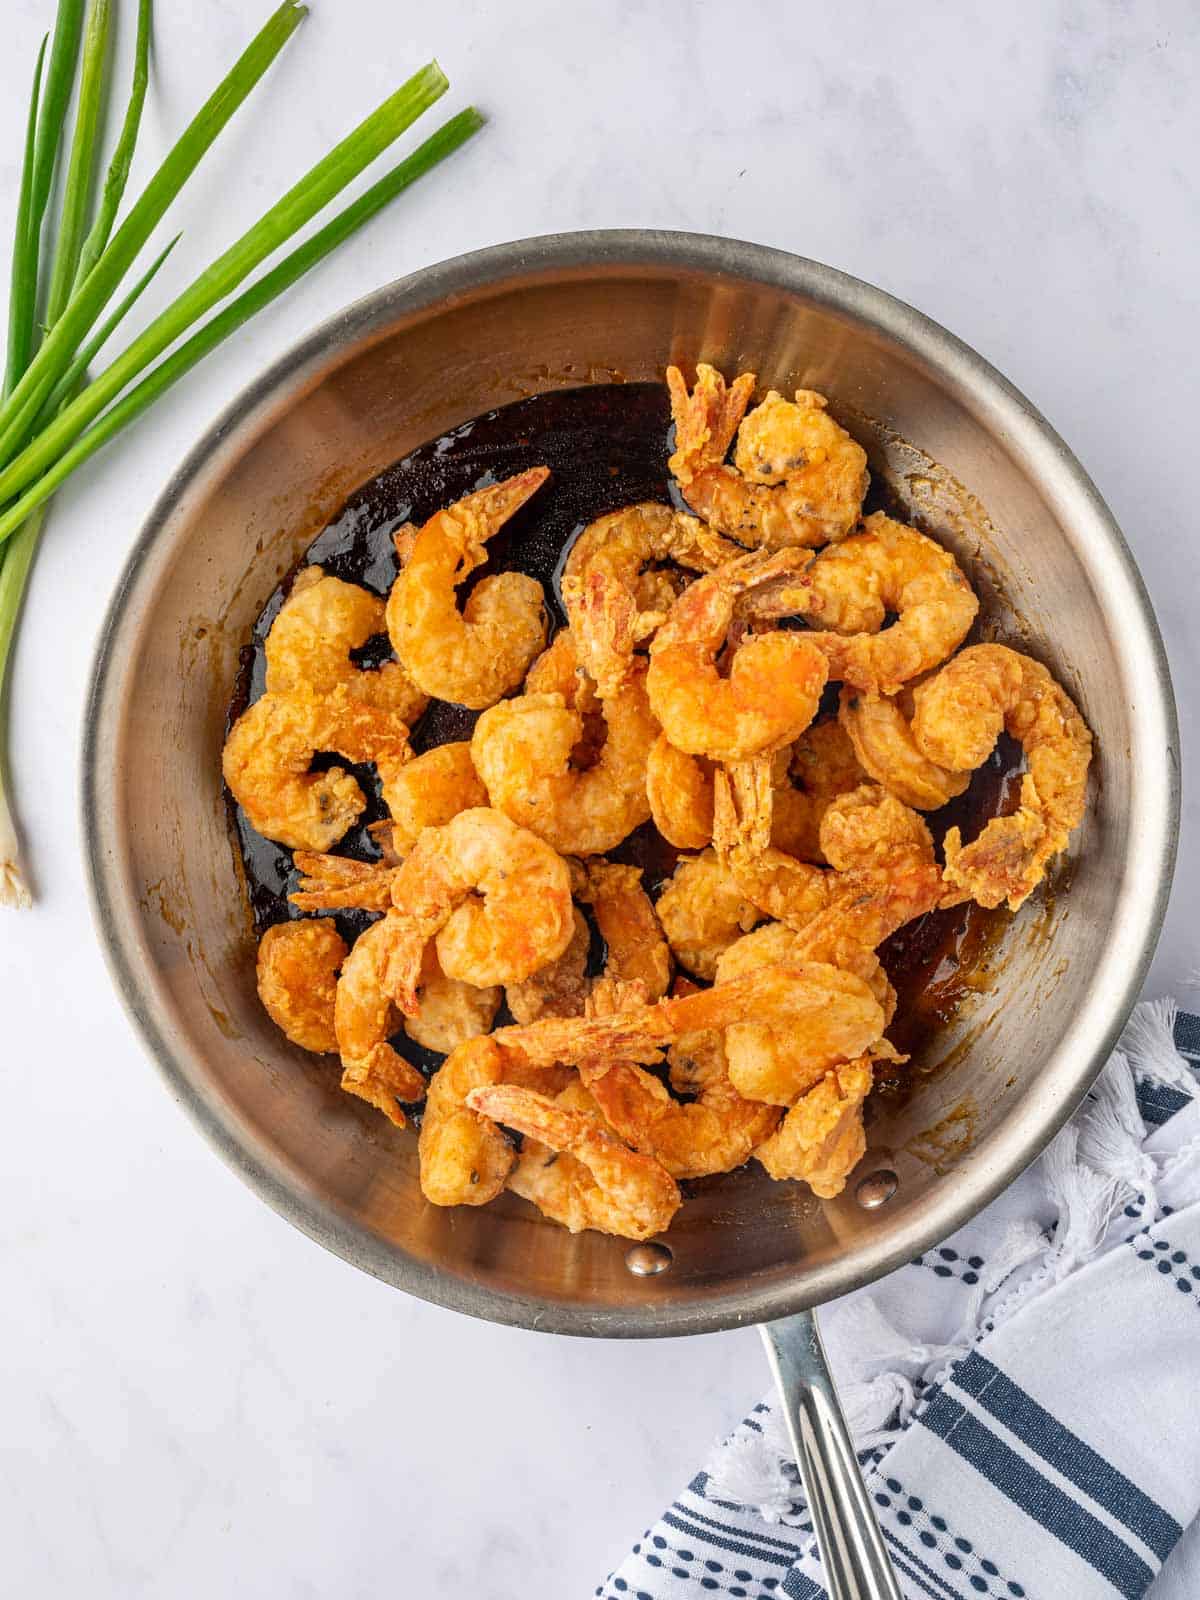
<point x="94" y="293"/>
<point x="66" y="386"/>
<point x="16" y="559"/>
<point x="78" y="186"/>
<point x="14" y="574"/>
<point x="22" y="288"/>
<point x="52" y="113"/>
<point x="301" y="203"/>
<point x="52" y="418"/>
<point x="68" y="383"/>
<point x="122" y="157"/>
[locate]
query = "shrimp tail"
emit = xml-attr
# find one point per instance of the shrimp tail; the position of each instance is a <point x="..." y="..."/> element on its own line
<point x="474" y="521"/>
<point x="743" y="806"/>
<point x="706" y="420"/>
<point x="339" y="883"/>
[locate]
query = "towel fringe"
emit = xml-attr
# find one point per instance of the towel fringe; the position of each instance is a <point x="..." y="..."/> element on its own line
<point x="1149" y="1043"/>
<point x="1111" y="1131"/>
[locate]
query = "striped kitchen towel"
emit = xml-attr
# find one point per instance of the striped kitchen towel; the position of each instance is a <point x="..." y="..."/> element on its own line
<point x="1025" y="1399"/>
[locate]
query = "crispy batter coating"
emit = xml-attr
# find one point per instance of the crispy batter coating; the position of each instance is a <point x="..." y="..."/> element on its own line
<point x="559" y="670"/>
<point x="610" y="1187"/>
<point x="774" y="681"/>
<point x="364" y="1018"/>
<point x="679" y="788"/>
<point x="465" y="1158"/>
<point x="523" y="748"/>
<point x="628" y="924"/>
<point x="560" y="988"/>
<point x="820" y="766"/>
<point x="777" y="883"/>
<point x="602" y="585"/>
<point x="475" y="655"/>
<point x="821" y="1140"/>
<point x="777" y="1061"/>
<point x="637" y="952"/>
<point x="867" y="827"/>
<point x="714" y="1131"/>
<point x="341" y="883"/>
<point x="797" y="478"/>
<point x="851" y="587"/>
<point x="820" y="1007"/>
<point x="450" y="1011"/>
<point x="309" y="644"/>
<point x="884" y="745"/>
<point x="431" y="790"/>
<point x="959" y="714"/>
<point x="702" y="912"/>
<point x="298" y="964"/>
<point x="496" y="899"/>
<point x="270" y="749"/>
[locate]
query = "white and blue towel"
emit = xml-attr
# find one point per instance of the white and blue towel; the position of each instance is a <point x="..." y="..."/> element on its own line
<point x="1025" y="1398"/>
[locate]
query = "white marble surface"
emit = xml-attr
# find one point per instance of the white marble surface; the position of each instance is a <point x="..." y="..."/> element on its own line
<point x="195" y="1399"/>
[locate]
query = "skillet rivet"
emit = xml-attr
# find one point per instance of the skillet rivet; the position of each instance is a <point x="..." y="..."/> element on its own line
<point x="876" y="1189"/>
<point x="648" y="1260"/>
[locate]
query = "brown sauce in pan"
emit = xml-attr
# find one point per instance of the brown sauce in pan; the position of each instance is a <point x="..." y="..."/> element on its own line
<point x="606" y="446"/>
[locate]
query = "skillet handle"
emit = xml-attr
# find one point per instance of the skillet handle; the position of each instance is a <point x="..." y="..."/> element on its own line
<point x="848" y="1537"/>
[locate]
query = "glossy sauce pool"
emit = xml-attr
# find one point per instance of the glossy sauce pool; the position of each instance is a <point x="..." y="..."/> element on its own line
<point x="606" y="446"/>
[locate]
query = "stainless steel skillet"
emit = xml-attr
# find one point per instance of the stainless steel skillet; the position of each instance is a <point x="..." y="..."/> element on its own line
<point x="989" y="477"/>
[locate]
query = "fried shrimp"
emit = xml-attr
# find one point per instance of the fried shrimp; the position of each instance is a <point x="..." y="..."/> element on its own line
<point x="820" y="766"/>
<point x="628" y="924"/>
<point x="609" y="1187"/>
<point x="309" y="644"/>
<point x="820" y="1004"/>
<point x="805" y="778"/>
<point x="560" y="988"/>
<point x="475" y="655"/>
<point x="868" y="827"/>
<point x="884" y="874"/>
<point x="775" y="679"/>
<point x="431" y="790"/>
<point x="777" y="883"/>
<point x="465" y="1158"/>
<point x="775" y="1062"/>
<point x="714" y="1131"/>
<point x="821" y="1139"/>
<point x="959" y="714"/>
<point x="679" y="788"/>
<point x="884" y="745"/>
<point x="428" y="792"/>
<point x="451" y="1012"/>
<point x="297" y="968"/>
<point x="702" y="912"/>
<point x="797" y="477"/>
<point x="687" y="689"/>
<point x="558" y="670"/>
<point x="867" y="904"/>
<point x="550" y="1179"/>
<point x="522" y="750"/>
<point x="270" y="748"/>
<point x="494" y="897"/>
<point x="774" y="944"/>
<point x="364" y="1017"/>
<point x="602" y="586"/>
<point x="849" y="590"/>
<point x="637" y="951"/>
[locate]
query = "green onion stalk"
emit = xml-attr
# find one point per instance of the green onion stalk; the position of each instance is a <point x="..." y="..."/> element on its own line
<point x="67" y="269"/>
